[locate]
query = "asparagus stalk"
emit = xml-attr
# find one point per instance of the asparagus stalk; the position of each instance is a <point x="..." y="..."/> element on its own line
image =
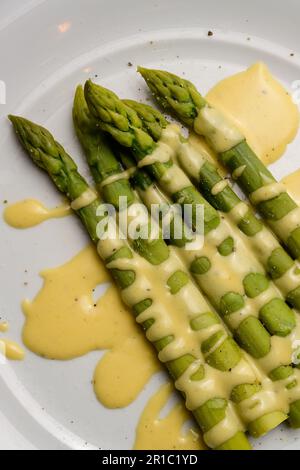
<point x="121" y="122"/>
<point x="98" y="161"/>
<point x="271" y="198"/>
<point x="130" y="276"/>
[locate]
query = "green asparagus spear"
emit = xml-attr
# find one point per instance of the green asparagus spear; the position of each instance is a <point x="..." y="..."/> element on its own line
<point x="271" y="198"/>
<point x="98" y="160"/>
<point x="250" y="331"/>
<point x="52" y="158"/>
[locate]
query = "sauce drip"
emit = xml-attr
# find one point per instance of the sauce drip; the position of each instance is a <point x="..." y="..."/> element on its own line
<point x="261" y="108"/>
<point x="155" y="433"/>
<point x="64" y="322"/>
<point x="11" y="350"/>
<point x="4" y="326"/>
<point x="292" y="182"/>
<point x="29" y="213"/>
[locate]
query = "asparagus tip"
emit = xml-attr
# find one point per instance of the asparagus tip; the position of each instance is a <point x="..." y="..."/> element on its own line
<point x="78" y="97"/>
<point x="91" y="87"/>
<point x="142" y="70"/>
<point x="79" y="89"/>
<point x="15" y="120"/>
<point x="88" y="85"/>
<point x="12" y="118"/>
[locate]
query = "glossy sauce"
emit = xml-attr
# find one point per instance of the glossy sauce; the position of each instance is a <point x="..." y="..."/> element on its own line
<point x="84" y="200"/>
<point x="292" y="183"/>
<point x="65" y="321"/>
<point x="219" y="131"/>
<point x="4" y="326"/>
<point x="261" y="108"/>
<point x="30" y="212"/>
<point x="155" y="432"/>
<point x="11" y="350"/>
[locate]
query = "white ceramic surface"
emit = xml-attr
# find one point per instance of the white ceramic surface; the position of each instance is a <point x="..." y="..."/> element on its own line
<point x="41" y="66"/>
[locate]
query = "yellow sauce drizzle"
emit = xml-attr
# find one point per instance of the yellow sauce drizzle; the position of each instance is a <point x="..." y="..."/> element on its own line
<point x="29" y="213"/>
<point x="4" y="326"/>
<point x="261" y="108"/>
<point x="155" y="433"/>
<point x="11" y="350"/>
<point x="292" y="182"/>
<point x="199" y="144"/>
<point x="64" y="322"/>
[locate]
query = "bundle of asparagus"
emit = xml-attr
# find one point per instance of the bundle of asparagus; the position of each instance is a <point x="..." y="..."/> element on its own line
<point x="278" y="263"/>
<point x="206" y="383"/>
<point x="226" y="390"/>
<point x="270" y="197"/>
<point x="113" y="183"/>
<point x="129" y="129"/>
<point x="280" y="266"/>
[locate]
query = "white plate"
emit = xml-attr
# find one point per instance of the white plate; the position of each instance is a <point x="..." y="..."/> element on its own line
<point x="41" y="66"/>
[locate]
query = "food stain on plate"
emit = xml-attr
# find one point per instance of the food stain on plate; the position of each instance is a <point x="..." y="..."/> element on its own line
<point x="30" y="212"/>
<point x="4" y="326"/>
<point x="11" y="350"/>
<point x="261" y="108"/>
<point x="166" y="433"/>
<point x="292" y="182"/>
<point x="64" y="321"/>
